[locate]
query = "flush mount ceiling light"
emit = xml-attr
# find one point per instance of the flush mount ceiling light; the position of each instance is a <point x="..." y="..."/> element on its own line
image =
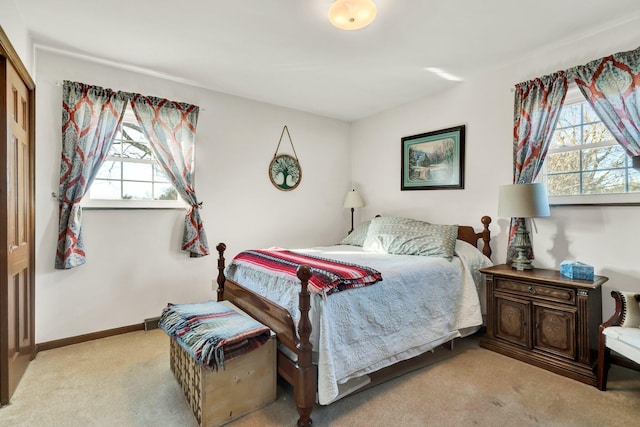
<point x="352" y="14"/>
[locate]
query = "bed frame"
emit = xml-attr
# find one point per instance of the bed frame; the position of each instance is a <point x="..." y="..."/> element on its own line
<point x="301" y="374"/>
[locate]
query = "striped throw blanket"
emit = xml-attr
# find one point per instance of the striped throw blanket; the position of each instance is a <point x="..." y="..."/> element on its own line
<point x="212" y="333"/>
<point x="329" y="276"/>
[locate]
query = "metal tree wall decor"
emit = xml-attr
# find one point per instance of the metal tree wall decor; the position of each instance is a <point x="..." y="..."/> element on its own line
<point x="284" y="171"/>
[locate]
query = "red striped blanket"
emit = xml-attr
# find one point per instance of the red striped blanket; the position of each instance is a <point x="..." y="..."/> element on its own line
<point x="329" y="276"/>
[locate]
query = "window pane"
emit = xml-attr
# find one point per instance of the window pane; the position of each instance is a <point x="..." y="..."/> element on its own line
<point x="567" y="137"/>
<point x="160" y="175"/>
<point x="137" y="171"/>
<point x="105" y="189"/>
<point x="634" y="181"/>
<point x="603" y="158"/>
<point x="135" y="150"/>
<point x="132" y="132"/>
<point x="600" y="182"/>
<point x="568" y="161"/>
<point x="596" y="132"/>
<point x="116" y="148"/>
<point x="567" y="184"/>
<point x="570" y="115"/>
<point x="590" y="114"/>
<point x="165" y="192"/>
<point x="137" y="190"/>
<point x="110" y="170"/>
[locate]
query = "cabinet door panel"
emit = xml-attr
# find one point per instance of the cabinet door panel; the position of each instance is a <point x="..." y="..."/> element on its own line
<point x="555" y="330"/>
<point x="513" y="320"/>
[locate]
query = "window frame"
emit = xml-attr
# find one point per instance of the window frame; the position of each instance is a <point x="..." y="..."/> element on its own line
<point x="89" y="203"/>
<point x="574" y="96"/>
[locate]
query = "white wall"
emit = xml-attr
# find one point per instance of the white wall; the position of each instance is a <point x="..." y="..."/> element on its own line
<point x="13" y="26"/>
<point x="605" y="237"/>
<point x="134" y="265"/>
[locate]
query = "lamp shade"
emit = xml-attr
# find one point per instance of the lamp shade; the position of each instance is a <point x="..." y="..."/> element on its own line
<point x="523" y="201"/>
<point x="353" y="200"/>
<point x="352" y="14"/>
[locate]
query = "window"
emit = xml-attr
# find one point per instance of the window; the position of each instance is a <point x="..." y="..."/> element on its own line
<point x="130" y="176"/>
<point x="585" y="164"/>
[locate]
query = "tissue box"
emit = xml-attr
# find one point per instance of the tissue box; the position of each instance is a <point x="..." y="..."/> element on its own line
<point x="576" y="270"/>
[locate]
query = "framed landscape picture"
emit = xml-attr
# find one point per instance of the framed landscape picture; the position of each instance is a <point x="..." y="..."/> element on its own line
<point x="433" y="160"/>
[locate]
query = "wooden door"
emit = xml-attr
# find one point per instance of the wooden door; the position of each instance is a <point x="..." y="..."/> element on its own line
<point x="17" y="341"/>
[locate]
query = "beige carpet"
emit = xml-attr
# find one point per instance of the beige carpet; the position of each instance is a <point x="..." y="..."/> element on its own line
<point x="126" y="381"/>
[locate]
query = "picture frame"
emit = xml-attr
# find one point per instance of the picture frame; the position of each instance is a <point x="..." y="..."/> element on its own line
<point x="433" y="160"/>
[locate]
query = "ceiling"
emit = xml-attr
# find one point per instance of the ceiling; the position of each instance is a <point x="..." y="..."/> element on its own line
<point x="285" y="52"/>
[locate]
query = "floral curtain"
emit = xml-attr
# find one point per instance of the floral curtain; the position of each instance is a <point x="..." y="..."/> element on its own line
<point x="171" y="129"/>
<point x="612" y="88"/>
<point x="536" y="109"/>
<point x="90" y="117"/>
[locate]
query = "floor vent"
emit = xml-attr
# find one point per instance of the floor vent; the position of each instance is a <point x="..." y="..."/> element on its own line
<point x="150" y="324"/>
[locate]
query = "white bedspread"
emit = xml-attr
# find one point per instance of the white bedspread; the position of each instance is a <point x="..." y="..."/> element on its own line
<point x="421" y="303"/>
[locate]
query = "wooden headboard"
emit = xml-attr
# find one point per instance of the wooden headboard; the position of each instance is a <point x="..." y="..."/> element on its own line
<point x="469" y="235"/>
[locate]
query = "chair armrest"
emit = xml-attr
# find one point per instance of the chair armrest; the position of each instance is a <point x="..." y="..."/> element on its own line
<point x="627" y="312"/>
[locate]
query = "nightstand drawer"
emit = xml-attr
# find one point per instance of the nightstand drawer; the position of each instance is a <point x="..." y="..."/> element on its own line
<point x="566" y="296"/>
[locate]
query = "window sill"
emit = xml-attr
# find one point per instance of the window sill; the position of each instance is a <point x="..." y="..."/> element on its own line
<point x="133" y="204"/>
<point x="618" y="199"/>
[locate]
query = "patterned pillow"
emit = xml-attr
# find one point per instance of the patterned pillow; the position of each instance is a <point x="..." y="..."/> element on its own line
<point x="405" y="236"/>
<point x="357" y="236"/>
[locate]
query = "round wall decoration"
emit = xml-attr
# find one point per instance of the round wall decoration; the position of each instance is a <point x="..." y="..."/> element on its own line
<point x="284" y="171"/>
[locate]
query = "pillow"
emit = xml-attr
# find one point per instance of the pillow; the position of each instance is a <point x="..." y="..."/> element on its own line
<point x="357" y="236"/>
<point x="405" y="236"/>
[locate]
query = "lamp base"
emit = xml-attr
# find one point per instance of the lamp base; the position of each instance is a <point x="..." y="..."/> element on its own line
<point x="351" y="231"/>
<point x="522" y="244"/>
<point x="522" y="263"/>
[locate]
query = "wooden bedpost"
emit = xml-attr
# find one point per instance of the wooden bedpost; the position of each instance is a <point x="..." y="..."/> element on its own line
<point x="221" y="279"/>
<point x="486" y="236"/>
<point x="304" y="390"/>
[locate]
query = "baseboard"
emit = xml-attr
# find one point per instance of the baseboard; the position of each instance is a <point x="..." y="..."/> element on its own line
<point x="49" y="345"/>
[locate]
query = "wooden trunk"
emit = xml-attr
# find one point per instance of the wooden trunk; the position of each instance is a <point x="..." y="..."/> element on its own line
<point x="217" y="397"/>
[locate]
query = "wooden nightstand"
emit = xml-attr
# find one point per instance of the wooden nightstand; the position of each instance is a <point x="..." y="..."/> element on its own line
<point x="545" y="319"/>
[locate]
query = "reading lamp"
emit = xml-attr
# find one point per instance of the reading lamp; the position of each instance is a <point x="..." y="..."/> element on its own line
<point x="353" y="200"/>
<point x="523" y="201"/>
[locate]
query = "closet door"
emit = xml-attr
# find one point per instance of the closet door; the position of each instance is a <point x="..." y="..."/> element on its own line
<point x="17" y="341"/>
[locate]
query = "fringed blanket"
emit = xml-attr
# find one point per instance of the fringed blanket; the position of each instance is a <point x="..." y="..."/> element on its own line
<point x="329" y="276"/>
<point x="212" y="333"/>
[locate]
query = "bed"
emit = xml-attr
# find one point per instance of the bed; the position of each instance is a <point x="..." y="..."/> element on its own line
<point x="343" y="351"/>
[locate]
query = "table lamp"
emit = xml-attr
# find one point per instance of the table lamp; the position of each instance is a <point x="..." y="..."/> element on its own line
<point x="353" y="200"/>
<point x="523" y="201"/>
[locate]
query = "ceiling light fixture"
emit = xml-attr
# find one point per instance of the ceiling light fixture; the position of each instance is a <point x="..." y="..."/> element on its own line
<point x="352" y="14"/>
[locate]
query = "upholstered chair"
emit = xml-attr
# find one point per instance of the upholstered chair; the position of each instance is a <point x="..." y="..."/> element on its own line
<point x="621" y="333"/>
